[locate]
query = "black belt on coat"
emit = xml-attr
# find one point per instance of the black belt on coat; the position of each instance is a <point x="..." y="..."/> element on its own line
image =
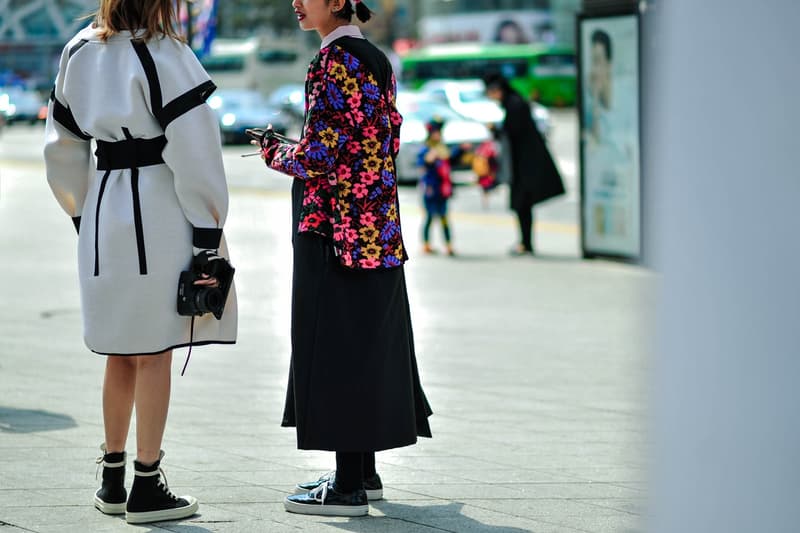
<point x="127" y="154"/>
<point x="130" y="153"/>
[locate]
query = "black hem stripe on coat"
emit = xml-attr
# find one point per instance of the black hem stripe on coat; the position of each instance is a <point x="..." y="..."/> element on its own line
<point x="174" y="347"/>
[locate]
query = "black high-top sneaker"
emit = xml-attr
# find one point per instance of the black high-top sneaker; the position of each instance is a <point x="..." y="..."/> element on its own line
<point x="152" y="501"/>
<point x="111" y="496"/>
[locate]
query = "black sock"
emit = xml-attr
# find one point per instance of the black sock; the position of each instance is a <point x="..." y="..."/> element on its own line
<point x="369" y="464"/>
<point x="349" y="471"/>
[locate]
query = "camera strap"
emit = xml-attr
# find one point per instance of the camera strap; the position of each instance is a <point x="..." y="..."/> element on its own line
<point x="191" y="342"/>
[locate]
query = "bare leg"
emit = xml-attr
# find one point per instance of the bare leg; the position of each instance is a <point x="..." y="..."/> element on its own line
<point x="153" y="379"/>
<point x="118" y="389"/>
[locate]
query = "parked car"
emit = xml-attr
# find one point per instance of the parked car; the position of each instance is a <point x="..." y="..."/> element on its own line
<point x="468" y="97"/>
<point x="21" y="105"/>
<point x="290" y="98"/>
<point x="417" y="110"/>
<point x="240" y="109"/>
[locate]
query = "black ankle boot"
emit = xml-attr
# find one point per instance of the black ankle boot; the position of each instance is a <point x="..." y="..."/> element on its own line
<point x="111" y="496"/>
<point x="152" y="501"/>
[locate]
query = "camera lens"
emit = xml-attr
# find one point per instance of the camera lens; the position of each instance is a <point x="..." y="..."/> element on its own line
<point x="208" y="300"/>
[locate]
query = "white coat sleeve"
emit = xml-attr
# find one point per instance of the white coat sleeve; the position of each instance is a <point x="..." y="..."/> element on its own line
<point x="67" y="151"/>
<point x="193" y="151"/>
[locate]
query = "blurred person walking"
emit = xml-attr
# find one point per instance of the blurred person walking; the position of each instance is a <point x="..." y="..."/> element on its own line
<point x="533" y="173"/>
<point x="354" y="386"/>
<point x="157" y="195"/>
<point x="437" y="186"/>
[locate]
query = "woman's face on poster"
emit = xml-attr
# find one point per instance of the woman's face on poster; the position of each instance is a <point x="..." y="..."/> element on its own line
<point x="599" y="70"/>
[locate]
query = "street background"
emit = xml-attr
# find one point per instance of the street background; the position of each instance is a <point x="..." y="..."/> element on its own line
<point x="534" y="368"/>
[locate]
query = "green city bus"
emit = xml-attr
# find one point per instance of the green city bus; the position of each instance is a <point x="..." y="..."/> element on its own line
<point x="544" y="73"/>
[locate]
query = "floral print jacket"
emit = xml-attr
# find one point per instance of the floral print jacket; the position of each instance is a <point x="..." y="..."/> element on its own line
<point x="346" y="156"/>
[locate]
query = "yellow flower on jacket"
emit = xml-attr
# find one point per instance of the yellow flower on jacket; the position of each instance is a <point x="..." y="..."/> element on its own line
<point x="369" y="233"/>
<point x="329" y="137"/>
<point x="391" y="214"/>
<point x="373" y="164"/>
<point x="350" y="86"/>
<point x="371" y="145"/>
<point x="338" y="71"/>
<point x="371" y="251"/>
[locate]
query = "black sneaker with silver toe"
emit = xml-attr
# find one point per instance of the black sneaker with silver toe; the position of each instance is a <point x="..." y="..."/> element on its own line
<point x="372" y="485"/>
<point x="325" y="500"/>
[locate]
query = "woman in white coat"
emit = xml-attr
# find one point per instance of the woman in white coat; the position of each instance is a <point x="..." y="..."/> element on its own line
<point x="155" y="196"/>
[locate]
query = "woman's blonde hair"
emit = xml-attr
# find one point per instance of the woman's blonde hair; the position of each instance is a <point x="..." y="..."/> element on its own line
<point x="155" y="17"/>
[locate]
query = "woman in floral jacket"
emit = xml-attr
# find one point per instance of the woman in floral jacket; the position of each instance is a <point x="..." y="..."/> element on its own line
<point x="353" y="386"/>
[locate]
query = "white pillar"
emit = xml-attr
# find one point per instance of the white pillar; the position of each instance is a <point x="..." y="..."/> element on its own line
<point x="723" y="171"/>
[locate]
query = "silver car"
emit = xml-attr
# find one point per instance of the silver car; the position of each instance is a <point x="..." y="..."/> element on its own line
<point x="417" y="110"/>
<point x="468" y="98"/>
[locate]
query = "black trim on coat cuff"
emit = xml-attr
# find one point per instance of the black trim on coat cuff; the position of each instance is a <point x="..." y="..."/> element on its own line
<point x="206" y="238"/>
<point x="185" y="103"/>
<point x="76" y="221"/>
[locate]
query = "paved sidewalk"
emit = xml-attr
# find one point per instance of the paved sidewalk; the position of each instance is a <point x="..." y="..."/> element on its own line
<point x="534" y="368"/>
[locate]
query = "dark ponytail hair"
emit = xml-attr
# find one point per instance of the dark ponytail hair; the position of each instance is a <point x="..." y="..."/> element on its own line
<point x="361" y="11"/>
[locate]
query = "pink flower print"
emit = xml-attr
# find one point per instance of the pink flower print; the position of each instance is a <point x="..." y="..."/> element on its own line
<point x="344" y="173"/>
<point x="351" y="235"/>
<point x="354" y="101"/>
<point x="369" y="263"/>
<point x="368" y="219"/>
<point x="356" y="115"/>
<point x="360" y="190"/>
<point x="396" y="145"/>
<point x="370" y="131"/>
<point x="347" y="220"/>
<point x="353" y="147"/>
<point x="368" y="177"/>
<point x="396" y="118"/>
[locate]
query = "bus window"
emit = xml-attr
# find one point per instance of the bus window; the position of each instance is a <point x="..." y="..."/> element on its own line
<point x="554" y="65"/>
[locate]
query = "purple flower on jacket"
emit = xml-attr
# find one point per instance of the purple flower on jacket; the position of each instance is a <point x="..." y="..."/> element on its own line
<point x="317" y="151"/>
<point x="335" y="96"/>
<point x="371" y="91"/>
<point x="389" y="230"/>
<point x="387" y="178"/>
<point x="351" y="62"/>
<point x="391" y="261"/>
<point x="386" y="145"/>
<point x="369" y="109"/>
<point x="374" y="194"/>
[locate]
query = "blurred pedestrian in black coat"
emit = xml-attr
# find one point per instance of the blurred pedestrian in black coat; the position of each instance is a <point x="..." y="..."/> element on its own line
<point x="534" y="176"/>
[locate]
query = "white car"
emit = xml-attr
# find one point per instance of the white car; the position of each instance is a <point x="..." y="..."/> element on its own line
<point x="468" y="98"/>
<point x="417" y="110"/>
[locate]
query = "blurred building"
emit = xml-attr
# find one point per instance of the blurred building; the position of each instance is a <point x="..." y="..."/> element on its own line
<point x="32" y="33"/>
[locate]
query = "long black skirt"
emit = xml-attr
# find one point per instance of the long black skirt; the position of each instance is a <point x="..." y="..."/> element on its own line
<point x="353" y="379"/>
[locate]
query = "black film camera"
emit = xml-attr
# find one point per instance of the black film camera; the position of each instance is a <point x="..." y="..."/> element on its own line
<point x="195" y="300"/>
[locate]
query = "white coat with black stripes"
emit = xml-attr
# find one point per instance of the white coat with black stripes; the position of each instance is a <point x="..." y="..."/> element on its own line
<point x="155" y="193"/>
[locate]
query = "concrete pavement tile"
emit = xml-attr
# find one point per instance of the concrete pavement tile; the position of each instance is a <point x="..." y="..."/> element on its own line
<point x="574" y="490"/>
<point x="460" y="491"/>
<point x="619" y="476"/>
<point x="460" y="517"/>
<point x="634" y="506"/>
